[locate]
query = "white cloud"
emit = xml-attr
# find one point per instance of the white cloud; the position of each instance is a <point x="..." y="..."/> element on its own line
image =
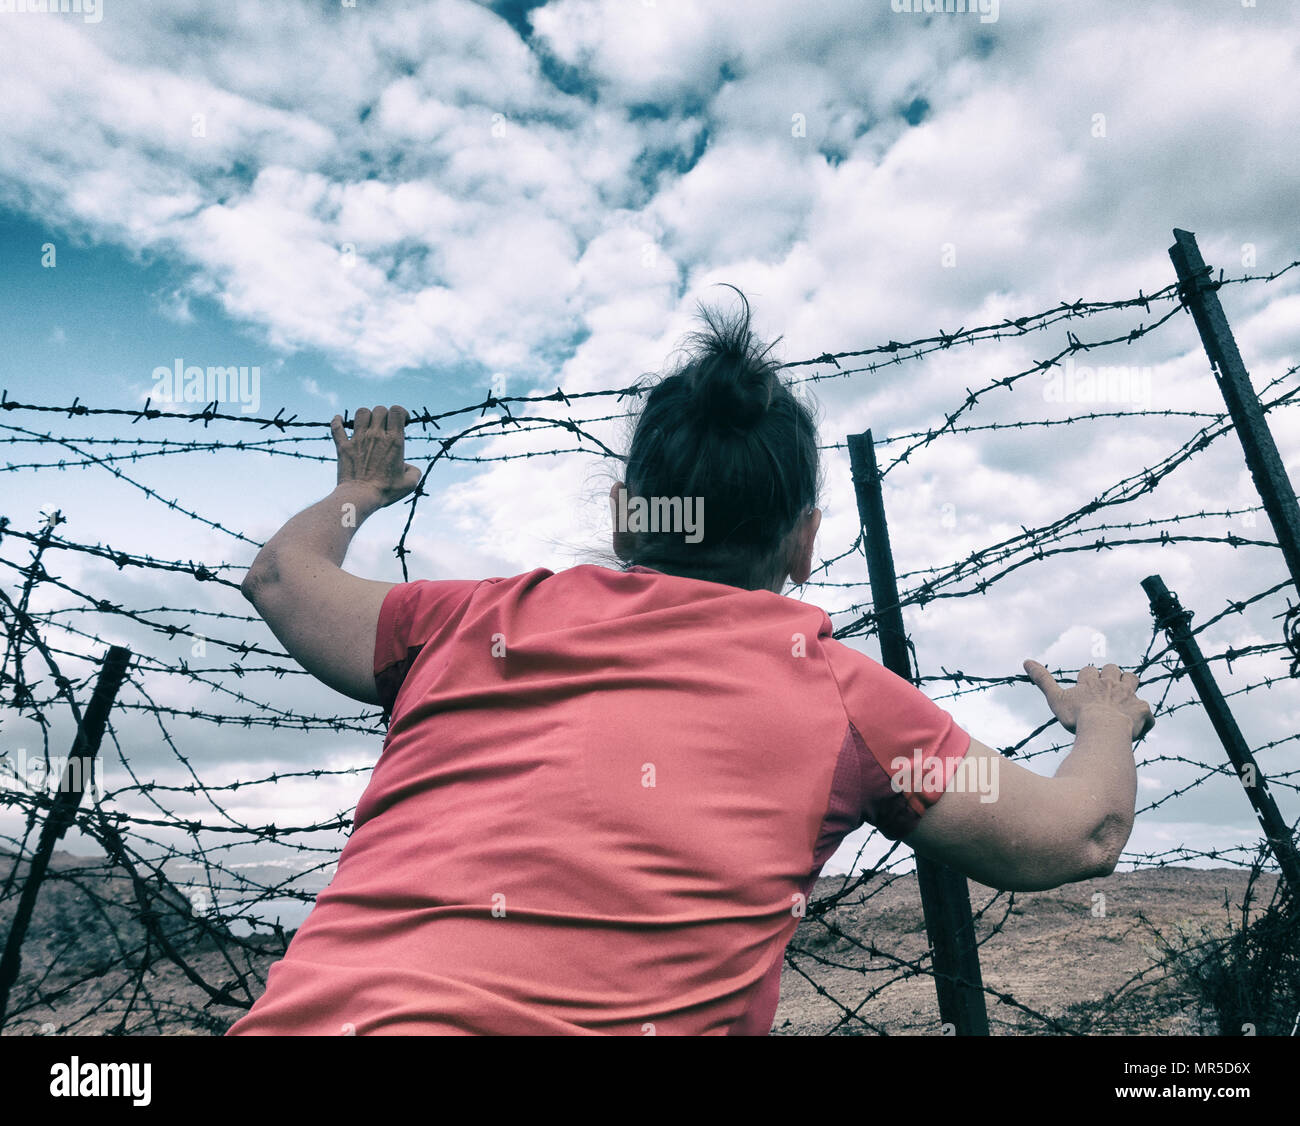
<point x="313" y="388"/>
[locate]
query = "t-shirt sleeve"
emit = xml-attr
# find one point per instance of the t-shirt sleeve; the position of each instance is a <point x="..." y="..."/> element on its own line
<point x="907" y="746"/>
<point x="412" y="616"/>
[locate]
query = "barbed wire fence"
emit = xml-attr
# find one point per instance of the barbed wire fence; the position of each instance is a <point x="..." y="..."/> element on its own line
<point x="176" y="919"/>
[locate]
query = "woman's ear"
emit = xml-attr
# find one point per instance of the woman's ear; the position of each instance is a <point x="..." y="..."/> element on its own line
<point x="806" y="537"/>
<point x="618" y="512"/>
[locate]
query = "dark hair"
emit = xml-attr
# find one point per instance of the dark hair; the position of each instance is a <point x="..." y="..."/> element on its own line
<point x="724" y="427"/>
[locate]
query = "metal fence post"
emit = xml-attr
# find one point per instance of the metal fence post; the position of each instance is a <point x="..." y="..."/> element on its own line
<point x="66" y="802"/>
<point x="1200" y="295"/>
<point x="1173" y="619"/>
<point x="945" y="897"/>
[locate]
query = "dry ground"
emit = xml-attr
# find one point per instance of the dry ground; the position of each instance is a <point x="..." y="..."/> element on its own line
<point x="1057" y="953"/>
<point x="1061" y="953"/>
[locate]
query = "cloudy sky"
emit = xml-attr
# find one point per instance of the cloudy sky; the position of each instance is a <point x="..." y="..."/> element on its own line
<point x="417" y="202"/>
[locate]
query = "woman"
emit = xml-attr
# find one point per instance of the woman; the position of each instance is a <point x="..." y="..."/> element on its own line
<point x="606" y="792"/>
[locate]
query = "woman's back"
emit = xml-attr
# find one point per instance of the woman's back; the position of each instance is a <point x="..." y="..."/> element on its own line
<point x="602" y="802"/>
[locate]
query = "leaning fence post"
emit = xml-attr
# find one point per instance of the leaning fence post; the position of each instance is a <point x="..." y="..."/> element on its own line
<point x="64" y="807"/>
<point x="1200" y="295"/>
<point x="945" y="898"/>
<point x="1173" y="619"/>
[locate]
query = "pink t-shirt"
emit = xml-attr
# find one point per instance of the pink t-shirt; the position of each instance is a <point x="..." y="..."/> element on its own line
<point x="603" y="799"/>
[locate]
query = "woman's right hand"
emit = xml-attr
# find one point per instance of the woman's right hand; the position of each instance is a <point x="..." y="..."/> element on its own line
<point x="374" y="457"/>
<point x="1107" y="689"/>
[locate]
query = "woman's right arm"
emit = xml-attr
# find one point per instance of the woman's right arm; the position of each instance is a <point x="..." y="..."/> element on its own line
<point x="1021" y="831"/>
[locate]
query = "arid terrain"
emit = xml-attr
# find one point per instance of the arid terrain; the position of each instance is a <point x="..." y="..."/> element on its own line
<point x="1090" y="964"/>
<point x="1062" y="960"/>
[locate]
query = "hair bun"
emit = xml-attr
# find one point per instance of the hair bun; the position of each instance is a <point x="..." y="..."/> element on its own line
<point x="733" y="378"/>
<point x="731" y="390"/>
